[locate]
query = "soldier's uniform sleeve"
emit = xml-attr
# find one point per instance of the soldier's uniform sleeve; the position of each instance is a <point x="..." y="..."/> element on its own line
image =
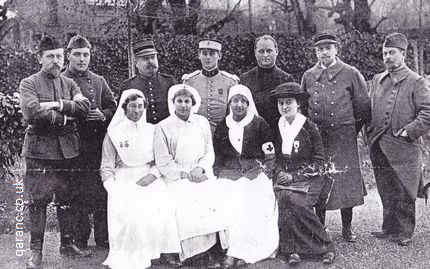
<point x="421" y="100"/>
<point x="303" y="83"/>
<point x="78" y="106"/>
<point x="108" y="101"/>
<point x="32" y="112"/>
<point x="361" y="100"/>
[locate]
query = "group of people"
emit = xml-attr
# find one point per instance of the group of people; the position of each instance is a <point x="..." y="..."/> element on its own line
<point x="219" y="170"/>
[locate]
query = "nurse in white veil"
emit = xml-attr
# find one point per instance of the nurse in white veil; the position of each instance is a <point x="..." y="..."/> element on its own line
<point x="184" y="154"/>
<point x="141" y="214"/>
<point x="244" y="161"/>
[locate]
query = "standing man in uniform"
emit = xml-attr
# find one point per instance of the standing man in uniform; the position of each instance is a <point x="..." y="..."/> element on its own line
<point x="400" y="116"/>
<point x="90" y="197"/>
<point x="211" y="83"/>
<point x="50" y="102"/>
<point x="265" y="77"/>
<point x="152" y="83"/>
<point x="339" y="105"/>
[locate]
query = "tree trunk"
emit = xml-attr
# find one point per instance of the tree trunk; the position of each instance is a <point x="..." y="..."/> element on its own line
<point x="185" y="17"/>
<point x="305" y="25"/>
<point x="361" y="18"/>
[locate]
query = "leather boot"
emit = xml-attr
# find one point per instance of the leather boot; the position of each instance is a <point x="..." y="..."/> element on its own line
<point x="68" y="248"/>
<point x="35" y="260"/>
<point x="73" y="251"/>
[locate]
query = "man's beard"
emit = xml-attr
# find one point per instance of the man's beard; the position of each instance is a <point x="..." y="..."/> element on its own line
<point x="54" y="70"/>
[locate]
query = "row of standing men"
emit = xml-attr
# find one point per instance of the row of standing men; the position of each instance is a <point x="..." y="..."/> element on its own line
<point x="339" y="105"/>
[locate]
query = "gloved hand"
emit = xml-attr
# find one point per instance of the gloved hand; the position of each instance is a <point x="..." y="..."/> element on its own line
<point x="284" y="178"/>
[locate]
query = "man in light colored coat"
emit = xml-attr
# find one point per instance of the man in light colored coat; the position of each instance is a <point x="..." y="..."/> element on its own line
<point x="400" y="116"/>
<point x="339" y="105"/>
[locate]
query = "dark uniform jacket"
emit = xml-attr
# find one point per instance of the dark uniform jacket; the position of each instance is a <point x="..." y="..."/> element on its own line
<point x="401" y="100"/>
<point x="230" y="164"/>
<point x="155" y="88"/>
<point x="98" y="92"/>
<point x="261" y="81"/>
<point x="339" y="104"/>
<point x="47" y="137"/>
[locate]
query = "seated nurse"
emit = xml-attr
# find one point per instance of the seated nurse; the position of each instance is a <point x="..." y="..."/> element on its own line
<point x="184" y="155"/>
<point x="244" y="159"/>
<point x="141" y="214"/>
<point x="298" y="146"/>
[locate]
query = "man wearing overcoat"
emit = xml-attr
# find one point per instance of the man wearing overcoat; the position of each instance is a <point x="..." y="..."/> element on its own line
<point x="400" y="116"/>
<point x="50" y="104"/>
<point x="339" y="105"/>
<point x="265" y="77"/>
<point x="152" y="83"/>
<point x="91" y="197"/>
<point x="212" y="84"/>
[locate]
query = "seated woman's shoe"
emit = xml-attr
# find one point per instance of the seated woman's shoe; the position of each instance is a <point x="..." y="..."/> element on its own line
<point x="172" y="260"/>
<point x="240" y="263"/>
<point x="228" y="262"/>
<point x="294" y="259"/>
<point x="328" y="257"/>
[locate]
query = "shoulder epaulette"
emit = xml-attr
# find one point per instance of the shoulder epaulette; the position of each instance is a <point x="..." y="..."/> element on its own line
<point x="190" y="75"/>
<point x="234" y="77"/>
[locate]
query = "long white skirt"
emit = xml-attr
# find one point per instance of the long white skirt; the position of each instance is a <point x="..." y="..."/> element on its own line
<point x="141" y="221"/>
<point x="198" y="214"/>
<point x="252" y="212"/>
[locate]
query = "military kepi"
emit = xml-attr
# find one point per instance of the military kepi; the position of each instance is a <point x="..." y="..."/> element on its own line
<point x="78" y="42"/>
<point x="144" y="47"/>
<point x="324" y="38"/>
<point x="49" y="42"/>
<point x="396" y="40"/>
<point x="210" y="44"/>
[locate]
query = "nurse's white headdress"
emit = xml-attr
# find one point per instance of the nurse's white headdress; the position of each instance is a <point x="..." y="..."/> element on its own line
<point x="178" y="87"/>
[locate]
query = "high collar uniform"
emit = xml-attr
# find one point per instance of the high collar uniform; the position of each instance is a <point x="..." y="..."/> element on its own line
<point x="339" y="105"/>
<point x="213" y="87"/>
<point x="261" y="81"/>
<point x="400" y="101"/>
<point x="155" y="89"/>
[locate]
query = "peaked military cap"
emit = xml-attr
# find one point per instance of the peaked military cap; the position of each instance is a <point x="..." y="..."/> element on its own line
<point x="324" y="38"/>
<point x="48" y="42"/>
<point x="78" y="42"/>
<point x="396" y="40"/>
<point x="144" y="47"/>
<point x="210" y="44"/>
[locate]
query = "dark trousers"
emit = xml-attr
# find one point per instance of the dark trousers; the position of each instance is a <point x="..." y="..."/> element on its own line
<point x="345" y="213"/>
<point x="43" y="180"/>
<point x="398" y="206"/>
<point x="300" y="230"/>
<point x="91" y="197"/>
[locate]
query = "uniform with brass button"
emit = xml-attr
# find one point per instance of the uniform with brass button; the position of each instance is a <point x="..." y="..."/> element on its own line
<point x="213" y="85"/>
<point x="91" y="196"/>
<point x="148" y="80"/>
<point x="400" y="117"/>
<point x="339" y="104"/>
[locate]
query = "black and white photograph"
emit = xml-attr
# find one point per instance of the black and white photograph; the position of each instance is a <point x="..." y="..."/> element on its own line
<point x="195" y="134"/>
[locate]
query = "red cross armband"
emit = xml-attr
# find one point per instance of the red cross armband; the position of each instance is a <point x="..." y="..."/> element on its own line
<point x="268" y="148"/>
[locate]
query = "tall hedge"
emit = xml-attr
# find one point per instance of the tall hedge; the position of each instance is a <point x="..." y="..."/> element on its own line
<point x="178" y="55"/>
